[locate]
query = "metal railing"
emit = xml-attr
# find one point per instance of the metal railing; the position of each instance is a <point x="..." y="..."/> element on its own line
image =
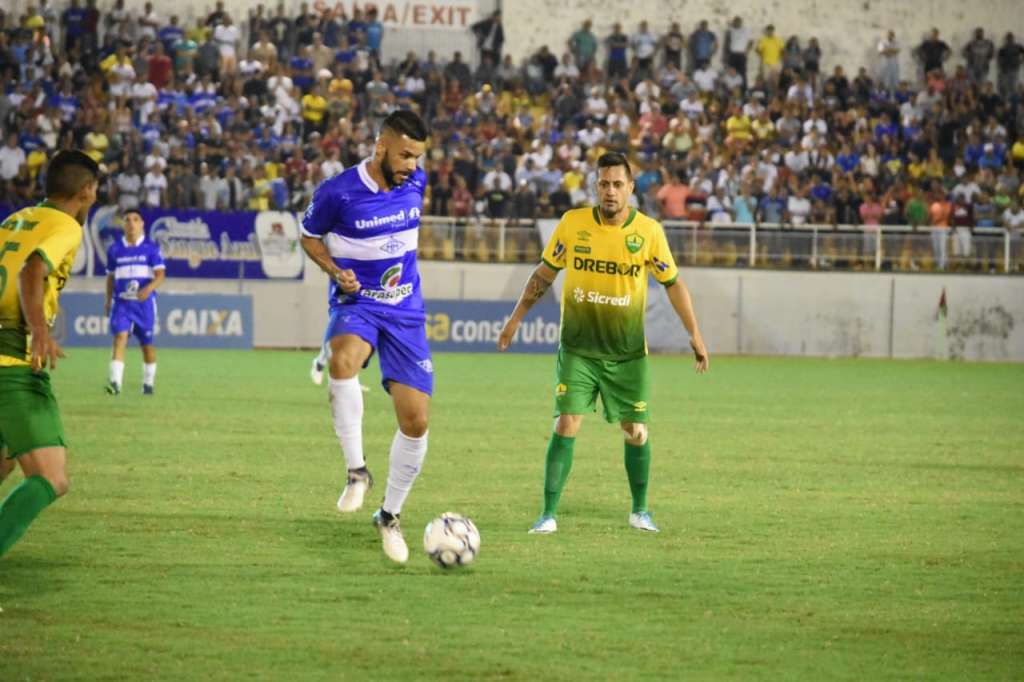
<point x="810" y="247"/>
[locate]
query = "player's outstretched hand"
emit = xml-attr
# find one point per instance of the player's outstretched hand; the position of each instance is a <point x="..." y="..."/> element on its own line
<point x="45" y="352"/>
<point x="701" y="353"/>
<point x="346" y="279"/>
<point x="507" y="333"/>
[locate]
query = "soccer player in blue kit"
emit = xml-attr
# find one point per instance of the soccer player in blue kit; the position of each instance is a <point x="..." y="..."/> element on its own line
<point x="135" y="268"/>
<point x="362" y="228"/>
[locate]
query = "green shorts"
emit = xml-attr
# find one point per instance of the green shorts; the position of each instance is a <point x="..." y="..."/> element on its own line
<point x="624" y="387"/>
<point x="29" y="418"/>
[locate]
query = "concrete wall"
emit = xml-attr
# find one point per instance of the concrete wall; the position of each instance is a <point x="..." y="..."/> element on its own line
<point x="740" y="311"/>
<point x="847" y="30"/>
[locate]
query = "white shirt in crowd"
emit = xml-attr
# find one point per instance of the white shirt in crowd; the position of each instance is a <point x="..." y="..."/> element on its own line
<point x="739" y="39"/>
<point x="705" y="78"/>
<point x="331" y="167"/>
<point x="128" y="187"/>
<point x="1013" y="221"/>
<point x="155" y="184"/>
<point x="799" y="208"/>
<point x="596" y="106"/>
<point x="11" y="159"/>
<point x="968" y="190"/>
<point x="497" y="179"/>
<point x="226" y="38"/>
<point x="644" y="45"/>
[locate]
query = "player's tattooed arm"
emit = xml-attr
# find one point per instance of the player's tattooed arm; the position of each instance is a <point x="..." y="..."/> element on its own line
<point x="539" y="282"/>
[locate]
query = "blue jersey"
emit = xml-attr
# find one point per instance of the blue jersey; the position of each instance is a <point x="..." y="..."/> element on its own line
<point x="373" y="233"/>
<point x="132" y="266"/>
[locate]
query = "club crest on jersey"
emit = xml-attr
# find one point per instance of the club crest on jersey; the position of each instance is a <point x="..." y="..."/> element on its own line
<point x="392" y="246"/>
<point x="392" y="277"/>
<point x="634" y="242"/>
<point x="559" y="249"/>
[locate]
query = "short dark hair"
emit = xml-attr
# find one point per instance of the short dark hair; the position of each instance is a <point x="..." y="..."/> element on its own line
<point x="69" y="171"/>
<point x="611" y="159"/>
<point x="406" y="122"/>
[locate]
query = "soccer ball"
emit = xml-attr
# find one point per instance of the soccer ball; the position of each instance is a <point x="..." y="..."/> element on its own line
<point x="451" y="540"/>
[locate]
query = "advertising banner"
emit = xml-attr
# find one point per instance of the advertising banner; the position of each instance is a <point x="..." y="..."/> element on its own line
<point x="183" y="321"/>
<point x="474" y="326"/>
<point x="207" y="244"/>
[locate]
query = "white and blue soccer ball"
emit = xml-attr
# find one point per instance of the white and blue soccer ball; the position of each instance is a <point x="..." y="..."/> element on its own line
<point x="451" y="540"/>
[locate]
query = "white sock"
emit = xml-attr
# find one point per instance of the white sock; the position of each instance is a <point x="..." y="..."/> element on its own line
<point x="148" y="373"/>
<point x="116" y="371"/>
<point x="347" y="408"/>
<point x="404" y="466"/>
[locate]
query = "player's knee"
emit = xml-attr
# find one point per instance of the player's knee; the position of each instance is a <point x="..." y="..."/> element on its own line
<point x="344" y="366"/>
<point x="636" y="434"/>
<point x="414" y="425"/>
<point x="60" y="483"/>
<point x="568" y="424"/>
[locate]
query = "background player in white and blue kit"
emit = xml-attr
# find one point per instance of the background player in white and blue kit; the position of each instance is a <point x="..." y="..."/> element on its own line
<point x="135" y="269"/>
<point x="362" y="229"/>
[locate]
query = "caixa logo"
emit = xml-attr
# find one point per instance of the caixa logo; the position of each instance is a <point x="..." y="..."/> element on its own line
<point x="204" y="322"/>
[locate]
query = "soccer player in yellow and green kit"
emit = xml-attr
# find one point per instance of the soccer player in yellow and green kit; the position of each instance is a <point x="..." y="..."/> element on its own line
<point x="37" y="248"/>
<point x="606" y="252"/>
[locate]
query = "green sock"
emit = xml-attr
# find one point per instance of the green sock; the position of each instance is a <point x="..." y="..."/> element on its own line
<point x="556" y="473"/>
<point x="638" y="466"/>
<point x="21" y="508"/>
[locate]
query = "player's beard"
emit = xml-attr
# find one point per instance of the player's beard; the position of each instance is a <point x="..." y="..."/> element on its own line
<point x="609" y="213"/>
<point x="389" y="173"/>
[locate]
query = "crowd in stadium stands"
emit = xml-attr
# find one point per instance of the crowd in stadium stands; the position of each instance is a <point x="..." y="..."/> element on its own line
<point x="740" y="126"/>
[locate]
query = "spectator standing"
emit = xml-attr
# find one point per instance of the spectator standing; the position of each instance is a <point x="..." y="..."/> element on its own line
<point x="1008" y="62"/>
<point x="227" y="37"/>
<point x="939" y="213"/>
<point x="672" y="197"/>
<point x="978" y="53"/>
<point x="769" y="49"/>
<point x="871" y="220"/>
<point x="673" y="43"/>
<point x="703" y="44"/>
<point x="962" y="220"/>
<point x="645" y="45"/>
<point x="617" y="43"/>
<point x="889" y="57"/>
<point x="738" y="41"/>
<point x="933" y="52"/>
<point x="583" y="46"/>
<point x="490" y="36"/>
<point x="375" y="35"/>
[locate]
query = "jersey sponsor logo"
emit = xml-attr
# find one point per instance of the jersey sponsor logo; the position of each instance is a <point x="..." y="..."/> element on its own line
<point x="606" y="267"/>
<point x="634" y="242"/>
<point x="392" y="277"/>
<point x="661" y="265"/>
<point x="580" y="296"/>
<point x="581" y="249"/>
<point x="392" y="296"/>
<point x="398" y="217"/>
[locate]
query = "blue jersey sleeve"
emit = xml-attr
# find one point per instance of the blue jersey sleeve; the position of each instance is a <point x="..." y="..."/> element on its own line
<point x="155" y="259"/>
<point x="321" y="214"/>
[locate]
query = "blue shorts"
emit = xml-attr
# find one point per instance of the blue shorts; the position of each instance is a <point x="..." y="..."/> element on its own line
<point x="138" y="317"/>
<point x="401" y="342"/>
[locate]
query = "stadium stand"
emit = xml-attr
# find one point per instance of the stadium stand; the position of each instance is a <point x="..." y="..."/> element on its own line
<point x="727" y="132"/>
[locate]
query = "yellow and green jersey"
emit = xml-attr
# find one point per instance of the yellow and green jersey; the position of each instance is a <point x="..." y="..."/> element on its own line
<point x="605" y="290"/>
<point x="55" y="236"/>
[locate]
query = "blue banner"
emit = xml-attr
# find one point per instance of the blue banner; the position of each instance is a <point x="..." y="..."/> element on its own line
<point x="474" y="326"/>
<point x="209" y="244"/>
<point x="183" y="321"/>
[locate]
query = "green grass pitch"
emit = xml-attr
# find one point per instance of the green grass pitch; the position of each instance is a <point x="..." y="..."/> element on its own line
<point x="843" y="519"/>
